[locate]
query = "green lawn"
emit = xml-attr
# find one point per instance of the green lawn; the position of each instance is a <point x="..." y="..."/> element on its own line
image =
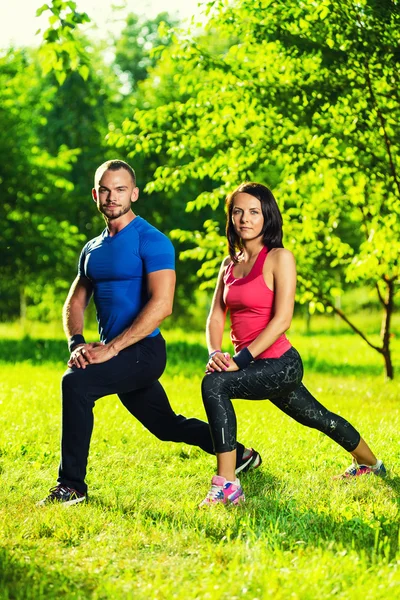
<point x="300" y="535"/>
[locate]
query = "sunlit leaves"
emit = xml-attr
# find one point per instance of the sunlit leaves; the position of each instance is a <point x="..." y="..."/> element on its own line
<point x="61" y="53"/>
<point x="304" y="96"/>
<point x="35" y="241"/>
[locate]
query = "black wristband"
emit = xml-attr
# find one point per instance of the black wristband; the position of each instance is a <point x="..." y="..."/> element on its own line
<point x="243" y="358"/>
<point x="74" y="340"/>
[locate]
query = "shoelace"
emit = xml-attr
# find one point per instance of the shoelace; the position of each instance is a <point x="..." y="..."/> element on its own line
<point x="57" y="490"/>
<point x="214" y="492"/>
<point x="350" y="469"/>
<point x="60" y="490"/>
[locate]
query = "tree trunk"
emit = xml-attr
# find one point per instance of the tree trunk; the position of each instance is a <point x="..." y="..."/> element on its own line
<point x="388" y="365"/>
<point x="385" y="330"/>
<point x="308" y="319"/>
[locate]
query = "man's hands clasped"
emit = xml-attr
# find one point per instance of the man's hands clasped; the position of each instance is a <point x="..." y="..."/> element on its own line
<point x="90" y="354"/>
<point x="221" y="361"/>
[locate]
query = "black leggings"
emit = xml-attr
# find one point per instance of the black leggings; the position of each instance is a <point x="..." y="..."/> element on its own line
<point x="133" y="375"/>
<point x="276" y="379"/>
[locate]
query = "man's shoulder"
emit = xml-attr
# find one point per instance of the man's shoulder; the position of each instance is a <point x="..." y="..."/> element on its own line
<point x="93" y="243"/>
<point x="147" y="232"/>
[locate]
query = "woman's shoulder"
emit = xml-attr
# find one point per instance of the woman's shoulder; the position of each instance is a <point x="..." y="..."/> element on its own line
<point x="226" y="262"/>
<point x="281" y="256"/>
<point x="224" y="270"/>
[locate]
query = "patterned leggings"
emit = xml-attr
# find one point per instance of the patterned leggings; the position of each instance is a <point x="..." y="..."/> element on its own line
<point x="276" y="379"/>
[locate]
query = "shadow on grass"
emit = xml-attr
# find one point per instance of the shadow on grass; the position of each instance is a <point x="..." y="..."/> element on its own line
<point x="280" y="524"/>
<point x="34" y="351"/>
<point x="394" y="483"/>
<point x="184" y="358"/>
<point x="313" y="364"/>
<point x="296" y="526"/>
<point x="21" y="580"/>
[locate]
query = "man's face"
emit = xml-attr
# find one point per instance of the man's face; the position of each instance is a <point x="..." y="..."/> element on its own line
<point x="115" y="193"/>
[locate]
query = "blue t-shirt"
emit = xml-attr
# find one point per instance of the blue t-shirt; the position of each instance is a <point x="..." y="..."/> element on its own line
<point x="117" y="267"/>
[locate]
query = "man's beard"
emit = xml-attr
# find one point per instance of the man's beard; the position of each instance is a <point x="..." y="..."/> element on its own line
<point x="114" y="215"/>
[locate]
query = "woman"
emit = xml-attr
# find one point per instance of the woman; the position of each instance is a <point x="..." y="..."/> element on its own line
<point x="257" y="285"/>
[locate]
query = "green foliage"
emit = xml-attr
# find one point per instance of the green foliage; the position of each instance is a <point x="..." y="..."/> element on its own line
<point x="307" y="92"/>
<point x="291" y="91"/>
<point x="79" y="117"/>
<point x="52" y="139"/>
<point x="37" y="241"/>
<point x="137" y="48"/>
<point x="62" y="54"/>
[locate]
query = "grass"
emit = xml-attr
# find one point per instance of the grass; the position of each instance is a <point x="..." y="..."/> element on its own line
<point x="300" y="535"/>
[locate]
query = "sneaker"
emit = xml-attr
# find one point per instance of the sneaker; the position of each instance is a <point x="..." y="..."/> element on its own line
<point x="223" y="492"/>
<point x="355" y="470"/>
<point x="63" y="494"/>
<point x="250" y="460"/>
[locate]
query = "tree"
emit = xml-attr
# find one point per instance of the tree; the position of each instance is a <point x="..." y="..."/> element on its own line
<point x="135" y="49"/>
<point x="62" y="53"/>
<point x="78" y="118"/>
<point x="141" y="52"/>
<point x="36" y="242"/>
<point x="306" y="98"/>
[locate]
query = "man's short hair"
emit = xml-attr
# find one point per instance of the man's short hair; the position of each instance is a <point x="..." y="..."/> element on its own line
<point x="113" y="165"/>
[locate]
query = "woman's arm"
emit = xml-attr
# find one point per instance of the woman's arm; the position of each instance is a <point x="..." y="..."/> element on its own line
<point x="283" y="268"/>
<point x="216" y="323"/>
<point x="216" y="317"/>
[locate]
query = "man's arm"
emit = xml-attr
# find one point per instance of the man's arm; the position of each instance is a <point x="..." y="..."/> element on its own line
<point x="75" y="306"/>
<point x="73" y="313"/>
<point x="161" y="288"/>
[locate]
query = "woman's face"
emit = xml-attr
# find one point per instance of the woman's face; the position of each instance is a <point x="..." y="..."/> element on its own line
<point x="247" y="217"/>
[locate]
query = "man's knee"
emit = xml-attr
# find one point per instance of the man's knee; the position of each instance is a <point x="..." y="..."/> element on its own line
<point x="73" y="379"/>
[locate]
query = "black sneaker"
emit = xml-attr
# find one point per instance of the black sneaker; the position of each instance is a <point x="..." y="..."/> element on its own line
<point x="250" y="460"/>
<point x="63" y="494"/>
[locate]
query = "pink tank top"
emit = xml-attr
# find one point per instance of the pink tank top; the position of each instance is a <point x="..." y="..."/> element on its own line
<point x="250" y="303"/>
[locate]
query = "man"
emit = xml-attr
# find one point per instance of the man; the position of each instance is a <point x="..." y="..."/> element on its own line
<point x="129" y="269"/>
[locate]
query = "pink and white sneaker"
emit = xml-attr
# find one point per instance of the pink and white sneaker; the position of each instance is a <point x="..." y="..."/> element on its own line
<point x="223" y="492"/>
<point x="355" y="470"/>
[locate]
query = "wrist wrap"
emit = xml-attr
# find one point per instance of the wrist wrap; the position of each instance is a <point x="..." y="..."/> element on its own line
<point x="243" y="358"/>
<point x="74" y="340"/>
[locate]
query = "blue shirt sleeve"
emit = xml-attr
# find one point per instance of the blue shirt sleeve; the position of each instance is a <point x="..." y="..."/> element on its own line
<point x="156" y="251"/>
<point x="81" y="263"/>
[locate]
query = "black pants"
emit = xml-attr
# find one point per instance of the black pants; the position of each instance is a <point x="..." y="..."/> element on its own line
<point x="133" y="375"/>
<point x="276" y="379"/>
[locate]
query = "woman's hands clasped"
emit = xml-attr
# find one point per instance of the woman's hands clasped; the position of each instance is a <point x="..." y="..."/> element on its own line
<point x="221" y="361"/>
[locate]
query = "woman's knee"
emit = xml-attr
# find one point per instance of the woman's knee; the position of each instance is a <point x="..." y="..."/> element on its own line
<point x="212" y="385"/>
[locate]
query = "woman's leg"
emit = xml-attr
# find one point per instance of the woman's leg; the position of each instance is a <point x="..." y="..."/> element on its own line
<point x="305" y="409"/>
<point x="363" y="454"/>
<point x="279" y="380"/>
<point x="261" y="380"/>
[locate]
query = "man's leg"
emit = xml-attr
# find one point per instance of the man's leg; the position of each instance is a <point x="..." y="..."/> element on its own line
<point x="151" y="407"/>
<point x="77" y="425"/>
<point x="80" y="389"/>
<point x="133" y="375"/>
